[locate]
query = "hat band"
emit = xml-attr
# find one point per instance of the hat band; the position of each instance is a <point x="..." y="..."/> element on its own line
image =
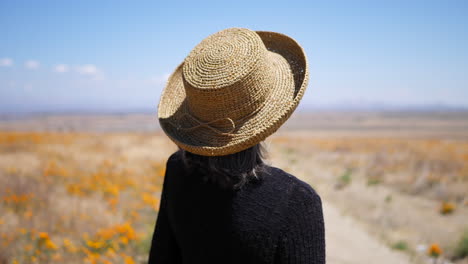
<point x="209" y="124"/>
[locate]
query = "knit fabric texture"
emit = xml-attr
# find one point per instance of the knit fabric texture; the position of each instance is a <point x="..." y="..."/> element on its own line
<point x="276" y="220"/>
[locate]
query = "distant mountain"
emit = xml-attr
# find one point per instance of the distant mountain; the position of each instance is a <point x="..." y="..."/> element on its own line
<point x="382" y="106"/>
<point x="344" y="106"/>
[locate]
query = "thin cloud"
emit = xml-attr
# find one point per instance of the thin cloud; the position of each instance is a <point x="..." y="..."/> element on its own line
<point x="90" y="70"/>
<point x="32" y="64"/>
<point x="161" y="79"/>
<point x="61" y="68"/>
<point x="6" y="62"/>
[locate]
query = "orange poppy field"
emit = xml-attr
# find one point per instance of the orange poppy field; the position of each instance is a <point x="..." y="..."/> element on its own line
<point x="76" y="198"/>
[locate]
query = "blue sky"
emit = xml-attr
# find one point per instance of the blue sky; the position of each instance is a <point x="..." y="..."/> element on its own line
<point x="116" y="55"/>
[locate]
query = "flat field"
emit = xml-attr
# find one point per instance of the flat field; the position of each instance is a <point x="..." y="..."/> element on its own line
<point x="86" y="188"/>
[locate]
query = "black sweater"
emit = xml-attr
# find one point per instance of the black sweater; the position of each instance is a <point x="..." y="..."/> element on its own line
<point x="276" y="220"/>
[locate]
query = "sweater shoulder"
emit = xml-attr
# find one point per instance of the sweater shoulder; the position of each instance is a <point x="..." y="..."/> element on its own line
<point x="297" y="189"/>
<point x="174" y="158"/>
<point x="174" y="166"/>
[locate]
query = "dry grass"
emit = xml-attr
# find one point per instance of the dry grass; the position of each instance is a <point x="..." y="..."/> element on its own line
<point x="401" y="189"/>
<point x="93" y="198"/>
<point x="77" y="197"/>
<point x="433" y="168"/>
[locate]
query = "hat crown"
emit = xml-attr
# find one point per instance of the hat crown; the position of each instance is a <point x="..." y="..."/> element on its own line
<point x="227" y="75"/>
<point x="230" y="75"/>
<point x="223" y="58"/>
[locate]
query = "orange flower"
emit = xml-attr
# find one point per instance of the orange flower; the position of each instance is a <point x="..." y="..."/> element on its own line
<point x="106" y="233"/>
<point x="124" y="240"/>
<point x="50" y="245"/>
<point x="112" y="189"/>
<point x="43" y="235"/>
<point x="129" y="260"/>
<point x="150" y="200"/>
<point x="447" y="208"/>
<point x="434" y="250"/>
<point x="69" y="246"/>
<point x="95" y="244"/>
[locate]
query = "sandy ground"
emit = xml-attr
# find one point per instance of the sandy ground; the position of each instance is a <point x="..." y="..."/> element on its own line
<point x="347" y="243"/>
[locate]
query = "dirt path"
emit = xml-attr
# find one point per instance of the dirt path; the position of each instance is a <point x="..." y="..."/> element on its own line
<point x="347" y="243"/>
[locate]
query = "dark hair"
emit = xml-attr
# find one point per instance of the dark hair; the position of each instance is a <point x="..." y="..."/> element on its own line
<point x="229" y="172"/>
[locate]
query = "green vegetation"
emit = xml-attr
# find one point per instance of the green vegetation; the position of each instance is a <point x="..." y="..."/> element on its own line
<point x="345" y="178"/>
<point x="461" y="250"/>
<point x="388" y="198"/>
<point x="373" y="181"/>
<point x="400" y="245"/>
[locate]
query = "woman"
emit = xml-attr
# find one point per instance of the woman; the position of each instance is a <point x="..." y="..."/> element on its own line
<point x="220" y="202"/>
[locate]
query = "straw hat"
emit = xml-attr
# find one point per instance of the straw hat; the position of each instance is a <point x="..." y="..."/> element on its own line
<point x="234" y="89"/>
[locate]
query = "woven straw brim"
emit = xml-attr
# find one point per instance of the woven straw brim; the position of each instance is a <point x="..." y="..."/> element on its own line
<point x="291" y="79"/>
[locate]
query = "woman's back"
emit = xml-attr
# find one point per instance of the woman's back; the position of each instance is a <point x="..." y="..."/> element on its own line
<point x="278" y="219"/>
<point x="233" y="90"/>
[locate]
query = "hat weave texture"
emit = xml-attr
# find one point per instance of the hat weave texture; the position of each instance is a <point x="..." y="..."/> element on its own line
<point x="234" y="89"/>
